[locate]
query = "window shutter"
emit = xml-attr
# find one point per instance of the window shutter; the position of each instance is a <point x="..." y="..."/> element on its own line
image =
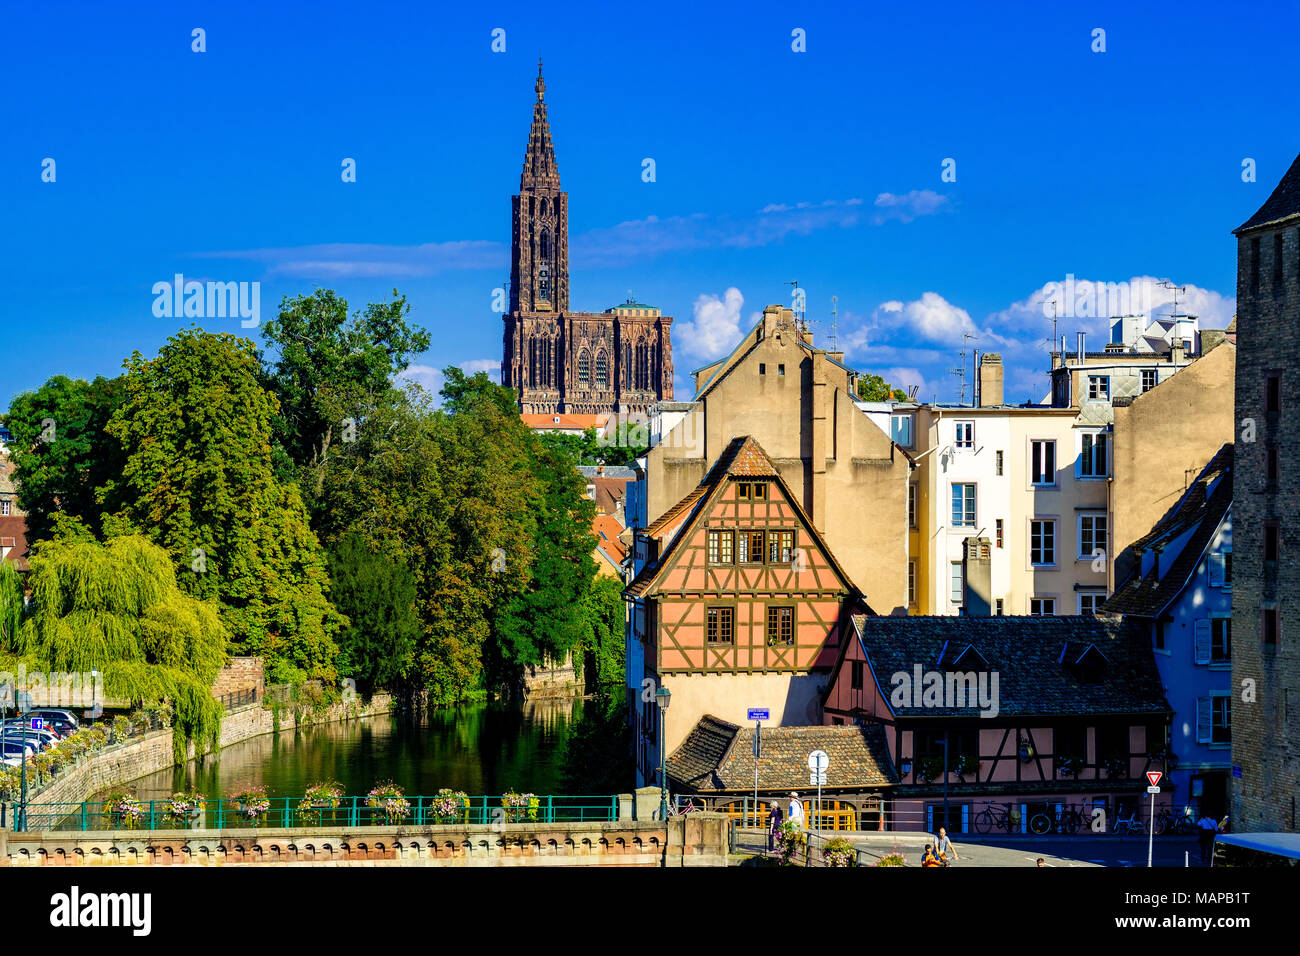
<point x="1216" y="570"/>
<point x="1204" y="720"/>
<point x="1202" y="642"/>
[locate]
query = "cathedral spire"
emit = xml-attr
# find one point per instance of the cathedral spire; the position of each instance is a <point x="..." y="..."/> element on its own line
<point x="540" y="168"/>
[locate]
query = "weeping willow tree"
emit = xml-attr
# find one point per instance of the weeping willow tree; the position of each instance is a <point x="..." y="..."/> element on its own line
<point x="11" y="604"/>
<point x="116" y="608"/>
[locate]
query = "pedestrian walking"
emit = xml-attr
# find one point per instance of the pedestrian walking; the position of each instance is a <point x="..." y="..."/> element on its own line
<point x="944" y="846"/>
<point x="1206" y="828"/>
<point x="774" y="819"/>
<point x="796" y="811"/>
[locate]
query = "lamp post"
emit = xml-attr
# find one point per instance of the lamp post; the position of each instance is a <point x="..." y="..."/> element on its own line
<point x="662" y="697"/>
<point x="20" y="820"/>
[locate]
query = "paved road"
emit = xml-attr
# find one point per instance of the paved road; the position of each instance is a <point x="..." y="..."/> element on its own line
<point x="1056" y="851"/>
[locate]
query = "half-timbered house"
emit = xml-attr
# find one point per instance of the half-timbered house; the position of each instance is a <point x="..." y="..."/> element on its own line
<point x="739" y="603"/>
<point x="1037" y="721"/>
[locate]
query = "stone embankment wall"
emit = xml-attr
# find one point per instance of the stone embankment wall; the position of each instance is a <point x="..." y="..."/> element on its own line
<point x="697" y="839"/>
<point x="152" y="752"/>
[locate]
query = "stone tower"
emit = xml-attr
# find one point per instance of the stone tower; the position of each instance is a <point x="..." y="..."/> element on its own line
<point x="619" y="360"/>
<point x="1266" y="517"/>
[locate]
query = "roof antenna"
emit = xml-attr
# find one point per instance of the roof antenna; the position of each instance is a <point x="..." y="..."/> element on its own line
<point x="834" y="315"/>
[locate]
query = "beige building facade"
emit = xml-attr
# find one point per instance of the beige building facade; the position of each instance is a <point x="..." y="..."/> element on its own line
<point x="798" y="402"/>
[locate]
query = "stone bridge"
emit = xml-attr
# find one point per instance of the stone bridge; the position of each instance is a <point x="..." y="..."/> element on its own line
<point x="697" y="839"/>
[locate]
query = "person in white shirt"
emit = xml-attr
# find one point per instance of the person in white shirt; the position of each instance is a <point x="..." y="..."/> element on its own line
<point x="796" y="815"/>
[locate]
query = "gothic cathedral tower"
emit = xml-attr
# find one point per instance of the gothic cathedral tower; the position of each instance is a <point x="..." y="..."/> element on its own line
<point x="619" y="360"/>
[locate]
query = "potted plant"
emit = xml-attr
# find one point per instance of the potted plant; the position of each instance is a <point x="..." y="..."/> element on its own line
<point x="892" y="859"/>
<point x="449" y="805"/>
<point x="123" y="808"/>
<point x="320" y="796"/>
<point x="967" y="764"/>
<point x="839" y="852"/>
<point x="931" y="769"/>
<point x="520" y="806"/>
<point x="1116" y="766"/>
<point x="790" y="843"/>
<point x="251" y="803"/>
<point x="185" y="807"/>
<point x="391" y="798"/>
<point x="1068" y="766"/>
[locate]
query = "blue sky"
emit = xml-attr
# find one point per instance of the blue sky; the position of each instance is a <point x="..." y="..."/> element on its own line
<point x="771" y="165"/>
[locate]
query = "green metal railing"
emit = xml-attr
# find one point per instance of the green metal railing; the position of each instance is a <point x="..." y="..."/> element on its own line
<point x="356" y="811"/>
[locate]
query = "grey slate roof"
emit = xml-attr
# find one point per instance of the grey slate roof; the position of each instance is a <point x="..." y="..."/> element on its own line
<point x="1028" y="654"/>
<point x="718" y="756"/>
<point x="609" y="471"/>
<point x="1148" y="596"/>
<point x="1282" y="204"/>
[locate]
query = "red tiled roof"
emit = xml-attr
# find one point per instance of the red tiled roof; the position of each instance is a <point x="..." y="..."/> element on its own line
<point x="610" y="492"/>
<point x="562" y="422"/>
<point x="13" y="540"/>
<point x="607" y="530"/>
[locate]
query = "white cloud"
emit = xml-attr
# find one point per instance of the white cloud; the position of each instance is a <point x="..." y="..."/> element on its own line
<point x="715" y="328"/>
<point x="908" y="206"/>
<point x="932" y="317"/>
<point x="343" y="260"/>
<point x="426" y="376"/>
<point x="490" y="366"/>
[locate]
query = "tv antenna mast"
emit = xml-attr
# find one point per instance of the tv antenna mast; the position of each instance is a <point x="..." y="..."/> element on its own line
<point x="797" y="306"/>
<point x="834" y="315"/>
<point x="1167" y="284"/>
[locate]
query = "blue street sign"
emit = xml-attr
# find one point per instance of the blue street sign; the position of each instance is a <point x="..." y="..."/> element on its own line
<point x="38" y="723"/>
<point x="760" y="713"/>
<point x="1236" y="771"/>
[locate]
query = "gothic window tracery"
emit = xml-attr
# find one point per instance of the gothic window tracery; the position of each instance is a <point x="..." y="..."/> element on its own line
<point x="584" y="367"/>
<point x="602" y="370"/>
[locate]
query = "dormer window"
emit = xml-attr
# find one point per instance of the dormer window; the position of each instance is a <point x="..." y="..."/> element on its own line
<point x="1088" y="664"/>
<point x="751" y="490"/>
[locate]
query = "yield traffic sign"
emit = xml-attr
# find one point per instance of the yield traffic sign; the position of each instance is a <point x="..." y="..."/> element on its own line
<point x="1153" y="777"/>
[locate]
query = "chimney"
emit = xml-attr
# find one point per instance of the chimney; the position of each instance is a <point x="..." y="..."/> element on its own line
<point x="977" y="577"/>
<point x="1082" y="353"/>
<point x="990" y="379"/>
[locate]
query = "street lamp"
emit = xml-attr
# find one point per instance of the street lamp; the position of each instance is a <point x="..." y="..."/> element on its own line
<point x="662" y="697"/>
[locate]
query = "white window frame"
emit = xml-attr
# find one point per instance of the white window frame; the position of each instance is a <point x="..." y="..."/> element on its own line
<point x="956" y="583"/>
<point x="1079" y="472"/>
<point x="1142" y="379"/>
<point x="1034" y="481"/>
<point x="1098" y="598"/>
<point x="912" y="496"/>
<point x="964" y="435"/>
<point x="1092" y="516"/>
<point x="1042" y="598"/>
<point x="1104" y="387"/>
<point x="1055" y="537"/>
<point x="910" y="421"/>
<point x="975" y="504"/>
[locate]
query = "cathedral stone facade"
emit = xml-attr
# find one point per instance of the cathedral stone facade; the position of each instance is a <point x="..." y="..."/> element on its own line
<point x="619" y="360"/>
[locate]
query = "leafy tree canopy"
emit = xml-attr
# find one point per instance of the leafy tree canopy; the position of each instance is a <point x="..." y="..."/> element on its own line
<point x="874" y="388"/>
<point x="61" y="451"/>
<point x="328" y="364"/>
<point x="116" y="608"/>
<point x="377" y="593"/>
<point x="195" y="430"/>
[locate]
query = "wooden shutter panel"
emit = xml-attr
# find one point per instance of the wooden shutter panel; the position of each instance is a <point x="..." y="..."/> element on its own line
<point x="1204" y="720"/>
<point x="1216" y="570"/>
<point x="1201" y="646"/>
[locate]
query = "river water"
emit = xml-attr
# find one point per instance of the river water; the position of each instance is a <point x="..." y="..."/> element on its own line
<point x="478" y="749"/>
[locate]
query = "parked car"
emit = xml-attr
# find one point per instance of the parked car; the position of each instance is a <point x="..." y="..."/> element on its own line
<point x="64" y="721"/>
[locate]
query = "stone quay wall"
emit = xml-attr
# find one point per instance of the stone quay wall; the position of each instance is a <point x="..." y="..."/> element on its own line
<point x="151" y="752"/>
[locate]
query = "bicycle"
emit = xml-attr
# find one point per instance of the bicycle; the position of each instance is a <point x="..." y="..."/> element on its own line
<point x="1129" y="825"/>
<point x="995" y="816"/>
<point x="1063" y="819"/>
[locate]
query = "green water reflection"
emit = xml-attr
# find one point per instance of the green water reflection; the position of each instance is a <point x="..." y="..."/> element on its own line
<point x="482" y="748"/>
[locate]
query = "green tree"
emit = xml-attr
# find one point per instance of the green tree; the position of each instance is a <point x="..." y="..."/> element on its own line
<point x="328" y="365"/>
<point x="11" y="603"/>
<point x="195" y="429"/>
<point x="547" y="618"/>
<point x="874" y="388"/>
<point x="598" y="758"/>
<point x="621" y="448"/>
<point x="605" y="612"/>
<point x="116" y="608"/>
<point x="377" y="593"/>
<point x="61" y="451"/>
